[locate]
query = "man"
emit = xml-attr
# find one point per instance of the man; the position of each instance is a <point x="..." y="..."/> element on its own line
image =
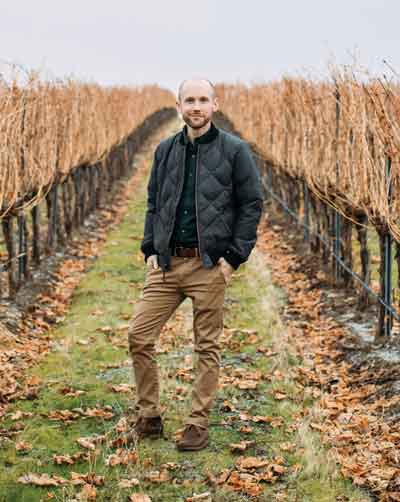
<point x="204" y="204"/>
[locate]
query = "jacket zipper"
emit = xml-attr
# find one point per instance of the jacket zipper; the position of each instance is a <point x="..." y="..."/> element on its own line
<point x="179" y="196"/>
<point x="195" y="197"/>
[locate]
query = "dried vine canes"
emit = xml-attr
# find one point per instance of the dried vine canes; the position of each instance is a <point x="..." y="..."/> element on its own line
<point x="64" y="146"/>
<point x="331" y="154"/>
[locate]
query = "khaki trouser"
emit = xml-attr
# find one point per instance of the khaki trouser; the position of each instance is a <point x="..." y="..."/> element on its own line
<point x="206" y="287"/>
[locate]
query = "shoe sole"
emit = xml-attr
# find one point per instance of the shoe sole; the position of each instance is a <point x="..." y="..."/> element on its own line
<point x="191" y="448"/>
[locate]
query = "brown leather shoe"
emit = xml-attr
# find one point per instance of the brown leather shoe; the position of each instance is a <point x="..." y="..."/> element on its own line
<point x="193" y="438"/>
<point x="145" y="427"/>
<point x="149" y="427"/>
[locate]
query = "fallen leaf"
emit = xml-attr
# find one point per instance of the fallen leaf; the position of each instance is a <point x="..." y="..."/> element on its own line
<point x="242" y="446"/>
<point x="123" y="387"/>
<point x="247" y="384"/>
<point x="21" y="414"/>
<point x="205" y="497"/>
<point x="251" y="463"/>
<point x="23" y="446"/>
<point x="88" y="493"/>
<point x="90" y="478"/>
<point x="41" y="480"/>
<point x="70" y="392"/>
<point x="122" y="457"/>
<point x="139" y="497"/>
<point x="280" y="395"/>
<point x="86" y="443"/>
<point x="157" y="476"/>
<point x="128" y="483"/>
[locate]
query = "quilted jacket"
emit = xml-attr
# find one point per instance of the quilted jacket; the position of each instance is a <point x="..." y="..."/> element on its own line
<point x="228" y="196"/>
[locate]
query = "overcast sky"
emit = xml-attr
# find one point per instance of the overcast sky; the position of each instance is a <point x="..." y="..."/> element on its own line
<point x="165" y="41"/>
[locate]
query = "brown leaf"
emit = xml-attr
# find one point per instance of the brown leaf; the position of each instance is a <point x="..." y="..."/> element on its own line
<point x="245" y="429"/>
<point x="88" y="493"/>
<point x="122" y="457"/>
<point x="128" y="483"/>
<point x="41" y="480"/>
<point x="70" y="459"/>
<point x="23" y="446"/>
<point x="97" y="312"/>
<point x="287" y="446"/>
<point x="266" y="351"/>
<point x="251" y="463"/>
<point x="21" y="414"/>
<point x="247" y="384"/>
<point x="98" y="413"/>
<point x="280" y="395"/>
<point x="123" y="387"/>
<point x="157" y="476"/>
<point x="139" y="497"/>
<point x="90" y="478"/>
<point x="242" y="446"/>
<point x="228" y="406"/>
<point x="205" y="497"/>
<point x="246" y="484"/>
<point x="86" y="443"/>
<point x="70" y="392"/>
<point x="34" y="380"/>
<point x="106" y="329"/>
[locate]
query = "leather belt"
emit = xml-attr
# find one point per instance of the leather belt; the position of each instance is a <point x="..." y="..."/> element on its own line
<point x="185" y="252"/>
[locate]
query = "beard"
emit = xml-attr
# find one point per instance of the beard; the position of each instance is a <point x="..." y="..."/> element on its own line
<point x="197" y="123"/>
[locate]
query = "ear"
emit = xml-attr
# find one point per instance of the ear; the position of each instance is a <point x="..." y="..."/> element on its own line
<point x="215" y="104"/>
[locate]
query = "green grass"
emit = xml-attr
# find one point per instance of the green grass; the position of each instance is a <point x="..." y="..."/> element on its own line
<point x="80" y="358"/>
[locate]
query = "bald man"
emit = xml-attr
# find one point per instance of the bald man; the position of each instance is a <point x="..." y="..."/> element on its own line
<point x="204" y="205"/>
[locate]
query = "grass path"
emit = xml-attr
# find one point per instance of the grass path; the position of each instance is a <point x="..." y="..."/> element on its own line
<point x="258" y="450"/>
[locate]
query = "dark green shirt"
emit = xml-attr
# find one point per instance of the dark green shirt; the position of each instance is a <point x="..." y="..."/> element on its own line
<point x="185" y="229"/>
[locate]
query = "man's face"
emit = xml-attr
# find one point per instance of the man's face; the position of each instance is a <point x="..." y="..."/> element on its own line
<point x="196" y="104"/>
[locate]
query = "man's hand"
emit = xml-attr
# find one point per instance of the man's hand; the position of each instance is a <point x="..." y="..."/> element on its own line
<point x="226" y="268"/>
<point x="152" y="261"/>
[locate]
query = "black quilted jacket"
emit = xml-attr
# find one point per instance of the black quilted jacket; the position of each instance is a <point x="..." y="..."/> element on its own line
<point x="228" y="198"/>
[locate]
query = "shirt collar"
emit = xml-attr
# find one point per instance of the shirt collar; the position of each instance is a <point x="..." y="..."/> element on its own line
<point x="207" y="137"/>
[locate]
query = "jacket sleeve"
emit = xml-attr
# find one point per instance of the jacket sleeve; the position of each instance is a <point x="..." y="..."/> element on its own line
<point x="248" y="197"/>
<point x="147" y="245"/>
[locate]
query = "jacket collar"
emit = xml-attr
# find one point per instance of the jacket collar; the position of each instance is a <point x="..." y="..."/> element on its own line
<point x="207" y="137"/>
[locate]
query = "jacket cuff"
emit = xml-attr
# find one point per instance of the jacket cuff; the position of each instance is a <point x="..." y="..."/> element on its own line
<point x="232" y="258"/>
<point x="148" y="251"/>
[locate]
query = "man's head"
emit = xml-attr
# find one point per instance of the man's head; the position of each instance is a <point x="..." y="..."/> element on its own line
<point x="196" y="102"/>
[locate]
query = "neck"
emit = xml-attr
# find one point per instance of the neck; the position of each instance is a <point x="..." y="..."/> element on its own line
<point x="195" y="133"/>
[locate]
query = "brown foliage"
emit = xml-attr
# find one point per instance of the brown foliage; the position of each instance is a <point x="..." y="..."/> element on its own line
<point x="294" y="124"/>
<point x="49" y="128"/>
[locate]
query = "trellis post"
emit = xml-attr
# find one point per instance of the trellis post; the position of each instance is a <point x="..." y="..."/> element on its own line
<point x="336" y="215"/>
<point x="306" y="217"/>
<point x="388" y="256"/>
